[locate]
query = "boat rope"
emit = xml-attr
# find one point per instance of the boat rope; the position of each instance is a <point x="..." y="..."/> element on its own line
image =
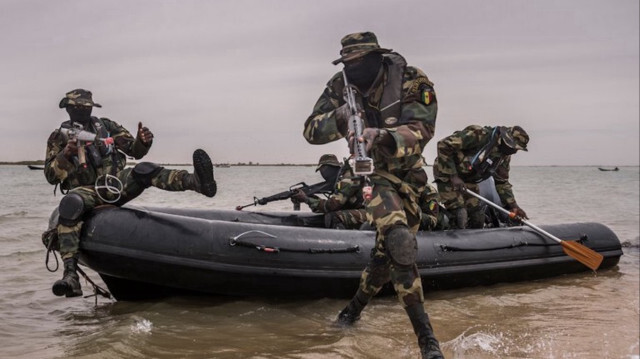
<point x="236" y="242"/>
<point x="450" y="248"/>
<point x="51" y="249"/>
<point x="97" y="290"/>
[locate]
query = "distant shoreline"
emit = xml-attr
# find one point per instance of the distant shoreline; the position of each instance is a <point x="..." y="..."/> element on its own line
<point x="245" y="164"/>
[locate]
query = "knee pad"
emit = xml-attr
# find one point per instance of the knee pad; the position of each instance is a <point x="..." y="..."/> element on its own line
<point x="402" y="246"/>
<point x="70" y="209"/>
<point x="144" y="172"/>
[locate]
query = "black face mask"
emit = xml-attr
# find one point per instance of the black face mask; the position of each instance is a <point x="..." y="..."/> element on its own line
<point x="506" y="150"/>
<point x="329" y="173"/>
<point x="81" y="114"/>
<point x="364" y="70"/>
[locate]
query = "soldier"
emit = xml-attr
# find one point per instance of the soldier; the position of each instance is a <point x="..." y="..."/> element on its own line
<point x="471" y="156"/>
<point x="434" y="215"/>
<point x="399" y="108"/>
<point x="344" y="208"/>
<point x="92" y="173"/>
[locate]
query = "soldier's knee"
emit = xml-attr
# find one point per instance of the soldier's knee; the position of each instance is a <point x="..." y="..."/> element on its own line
<point x="144" y="172"/>
<point x="476" y="217"/>
<point x="401" y="245"/>
<point x="71" y="209"/>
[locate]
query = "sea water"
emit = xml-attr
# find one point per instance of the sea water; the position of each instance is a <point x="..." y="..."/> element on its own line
<point x="585" y="315"/>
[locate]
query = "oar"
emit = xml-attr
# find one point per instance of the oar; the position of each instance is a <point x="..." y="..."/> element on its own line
<point x="583" y="254"/>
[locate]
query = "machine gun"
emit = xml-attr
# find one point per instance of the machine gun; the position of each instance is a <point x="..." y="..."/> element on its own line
<point x="82" y="137"/>
<point x="325" y="187"/>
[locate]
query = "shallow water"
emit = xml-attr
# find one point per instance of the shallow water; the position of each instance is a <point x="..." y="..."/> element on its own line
<point x="583" y="315"/>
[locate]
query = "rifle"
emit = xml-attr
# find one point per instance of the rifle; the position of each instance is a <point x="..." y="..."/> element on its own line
<point x="361" y="163"/>
<point x="82" y="136"/>
<point x="321" y="187"/>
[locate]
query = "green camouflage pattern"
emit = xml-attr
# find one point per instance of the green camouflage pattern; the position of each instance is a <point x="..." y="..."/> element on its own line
<point x="345" y="206"/>
<point x="78" y="97"/>
<point x="455" y="153"/>
<point x="166" y="179"/>
<point x="60" y="170"/>
<point x="393" y="203"/>
<point x="410" y="133"/>
<point x="329" y="160"/>
<point x="357" y="45"/>
<point x="398" y="178"/>
<point x="433" y="218"/>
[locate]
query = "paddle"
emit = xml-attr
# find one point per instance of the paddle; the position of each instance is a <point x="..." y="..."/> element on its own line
<point x="584" y="255"/>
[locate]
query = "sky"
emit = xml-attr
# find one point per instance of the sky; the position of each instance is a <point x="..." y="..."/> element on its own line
<point x="239" y="78"/>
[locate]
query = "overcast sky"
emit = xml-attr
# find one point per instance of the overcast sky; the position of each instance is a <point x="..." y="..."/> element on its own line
<point x="238" y="78"/>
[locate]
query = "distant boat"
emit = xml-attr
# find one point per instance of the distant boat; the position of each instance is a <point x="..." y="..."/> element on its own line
<point x="32" y="167"/>
<point x="223" y="165"/>
<point x="609" y="169"/>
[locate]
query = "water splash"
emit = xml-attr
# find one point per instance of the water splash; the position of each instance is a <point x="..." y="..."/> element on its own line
<point x="141" y="326"/>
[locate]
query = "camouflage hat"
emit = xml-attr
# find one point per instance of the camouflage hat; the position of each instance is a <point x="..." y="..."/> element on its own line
<point x="357" y="45"/>
<point x="329" y="160"/>
<point x="78" y="97"/>
<point x="515" y="137"/>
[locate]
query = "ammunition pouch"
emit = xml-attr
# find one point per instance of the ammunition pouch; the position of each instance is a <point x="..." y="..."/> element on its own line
<point x="402" y="246"/>
<point x="144" y="172"/>
<point x="71" y="209"/>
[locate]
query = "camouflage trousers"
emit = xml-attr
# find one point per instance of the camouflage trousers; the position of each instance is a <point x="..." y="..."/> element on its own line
<point x="393" y="204"/>
<point x="452" y="200"/>
<point x="346" y="219"/>
<point x="69" y="236"/>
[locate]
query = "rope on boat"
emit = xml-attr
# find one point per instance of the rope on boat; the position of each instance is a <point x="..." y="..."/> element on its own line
<point x="450" y="248"/>
<point x="235" y="241"/>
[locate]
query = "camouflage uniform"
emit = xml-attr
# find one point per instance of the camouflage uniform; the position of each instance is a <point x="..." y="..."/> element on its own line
<point x="344" y="208"/>
<point x="401" y="101"/>
<point x="434" y="216"/>
<point x="456" y="155"/>
<point x="78" y="180"/>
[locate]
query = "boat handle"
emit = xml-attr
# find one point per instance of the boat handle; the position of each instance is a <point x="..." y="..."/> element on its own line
<point x="235" y="239"/>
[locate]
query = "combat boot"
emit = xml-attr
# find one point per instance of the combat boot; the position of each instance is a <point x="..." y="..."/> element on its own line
<point x="201" y="180"/>
<point x="69" y="285"/>
<point x="351" y="313"/>
<point x="429" y="347"/>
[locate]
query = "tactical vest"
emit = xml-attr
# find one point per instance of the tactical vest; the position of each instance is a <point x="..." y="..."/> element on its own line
<point x="482" y="164"/>
<point x="391" y="101"/>
<point x="101" y="158"/>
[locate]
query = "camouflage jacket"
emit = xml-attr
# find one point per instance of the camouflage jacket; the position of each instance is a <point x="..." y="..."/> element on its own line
<point x="455" y="155"/>
<point x="411" y="128"/>
<point x="70" y="174"/>
<point x="347" y="195"/>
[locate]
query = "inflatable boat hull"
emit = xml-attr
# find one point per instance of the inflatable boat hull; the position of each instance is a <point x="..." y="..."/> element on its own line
<point x="149" y="252"/>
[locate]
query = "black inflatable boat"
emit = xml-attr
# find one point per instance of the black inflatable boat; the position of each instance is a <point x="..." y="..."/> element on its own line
<point x="149" y="252"/>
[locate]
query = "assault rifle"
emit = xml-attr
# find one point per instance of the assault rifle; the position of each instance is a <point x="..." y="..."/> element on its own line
<point x="82" y="137"/>
<point x="361" y="163"/>
<point x="325" y="187"/>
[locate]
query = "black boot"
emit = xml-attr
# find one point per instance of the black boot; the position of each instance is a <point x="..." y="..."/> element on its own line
<point x="429" y="347"/>
<point x="69" y="285"/>
<point x="351" y="313"/>
<point x="201" y="180"/>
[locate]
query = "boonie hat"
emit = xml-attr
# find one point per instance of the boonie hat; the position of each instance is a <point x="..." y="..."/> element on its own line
<point x="329" y="160"/>
<point x="359" y="44"/>
<point x="515" y="137"/>
<point x="78" y="97"/>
